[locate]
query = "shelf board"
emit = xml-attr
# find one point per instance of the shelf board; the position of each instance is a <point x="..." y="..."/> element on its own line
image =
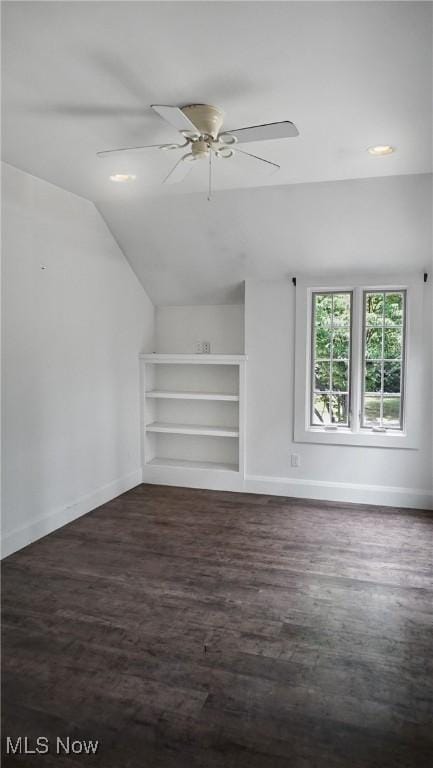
<point x="194" y="359"/>
<point x="161" y="394"/>
<point x="192" y="429"/>
<point x="188" y="464"/>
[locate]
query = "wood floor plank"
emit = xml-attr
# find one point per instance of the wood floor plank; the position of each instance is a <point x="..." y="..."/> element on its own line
<point x="200" y="629"/>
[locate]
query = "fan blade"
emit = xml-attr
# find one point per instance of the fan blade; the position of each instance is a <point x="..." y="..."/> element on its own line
<point x="127" y="149"/>
<point x="176" y="118"/>
<point x="262" y="159"/>
<point x="180" y="170"/>
<point x="284" y="130"/>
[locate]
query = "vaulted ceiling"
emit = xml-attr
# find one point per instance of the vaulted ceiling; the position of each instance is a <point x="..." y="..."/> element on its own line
<point x="79" y="77"/>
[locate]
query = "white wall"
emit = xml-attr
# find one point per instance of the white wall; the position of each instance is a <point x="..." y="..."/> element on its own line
<point x="75" y="318"/>
<point x="178" y="328"/>
<point x="402" y="476"/>
<point x="346" y="473"/>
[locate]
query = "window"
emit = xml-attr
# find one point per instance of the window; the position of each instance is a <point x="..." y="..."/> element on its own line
<point x="358" y="363"/>
<point x="330" y="369"/>
<point x="383" y="359"/>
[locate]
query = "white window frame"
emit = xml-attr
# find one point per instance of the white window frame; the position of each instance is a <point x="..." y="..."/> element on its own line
<point x="313" y="359"/>
<point x="365" y="360"/>
<point x="355" y="434"/>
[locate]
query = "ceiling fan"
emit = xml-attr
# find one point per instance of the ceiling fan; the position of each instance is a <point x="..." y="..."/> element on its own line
<point x="201" y="128"/>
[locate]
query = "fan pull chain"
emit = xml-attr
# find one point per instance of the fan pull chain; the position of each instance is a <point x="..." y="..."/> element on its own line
<point x="209" y="194"/>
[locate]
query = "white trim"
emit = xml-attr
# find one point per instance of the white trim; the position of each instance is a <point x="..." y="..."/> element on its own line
<point x="320" y="490"/>
<point x="242" y="417"/>
<point x="409" y="438"/>
<point x="190" y="477"/>
<point x="34" y="530"/>
<point x="357" y="493"/>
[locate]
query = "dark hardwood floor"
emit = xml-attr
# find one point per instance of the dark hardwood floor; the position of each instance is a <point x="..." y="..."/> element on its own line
<point x="185" y="628"/>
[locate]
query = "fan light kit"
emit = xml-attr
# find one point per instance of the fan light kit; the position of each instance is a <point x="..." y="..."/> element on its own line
<point x="200" y="126"/>
<point x="380" y="150"/>
<point x="122" y="177"/>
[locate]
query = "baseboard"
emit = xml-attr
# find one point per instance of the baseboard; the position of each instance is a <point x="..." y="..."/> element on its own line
<point x="21" y="537"/>
<point x="356" y="493"/>
<point x="211" y="480"/>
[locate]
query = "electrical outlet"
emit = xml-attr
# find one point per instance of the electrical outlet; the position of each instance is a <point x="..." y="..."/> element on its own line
<point x="295" y="460"/>
<point x="206" y="347"/>
<point x="198" y="347"/>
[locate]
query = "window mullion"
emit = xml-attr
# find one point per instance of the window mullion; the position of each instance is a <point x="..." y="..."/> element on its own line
<point x="356" y="360"/>
<point x="331" y="358"/>
<point x="381" y="363"/>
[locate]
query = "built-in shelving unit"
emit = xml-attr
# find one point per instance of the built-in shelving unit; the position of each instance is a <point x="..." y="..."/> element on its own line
<point x="193" y="419"/>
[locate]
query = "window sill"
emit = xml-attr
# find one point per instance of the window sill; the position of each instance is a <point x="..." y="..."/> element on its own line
<point x="345" y="436"/>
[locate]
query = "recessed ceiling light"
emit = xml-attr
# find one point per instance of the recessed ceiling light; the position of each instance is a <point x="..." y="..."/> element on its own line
<point x="380" y="150"/>
<point x="122" y="177"/>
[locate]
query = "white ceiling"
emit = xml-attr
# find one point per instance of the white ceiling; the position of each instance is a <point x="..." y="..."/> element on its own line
<point x="79" y="77"/>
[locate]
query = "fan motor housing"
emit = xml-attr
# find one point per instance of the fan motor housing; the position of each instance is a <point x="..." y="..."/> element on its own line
<point x="200" y="149"/>
<point x="206" y="118"/>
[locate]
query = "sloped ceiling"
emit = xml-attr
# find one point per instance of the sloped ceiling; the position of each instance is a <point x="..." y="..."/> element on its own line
<point x="79" y="77"/>
<point x="187" y="250"/>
